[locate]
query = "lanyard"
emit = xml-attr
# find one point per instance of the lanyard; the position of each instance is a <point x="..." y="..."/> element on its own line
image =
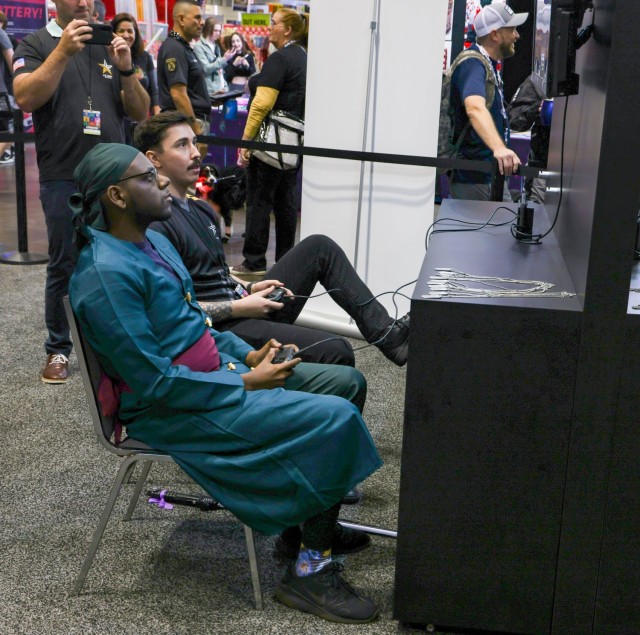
<point x="498" y="77"/>
<point x="84" y="85"/>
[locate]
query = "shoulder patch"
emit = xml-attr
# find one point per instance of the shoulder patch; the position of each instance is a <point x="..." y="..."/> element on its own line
<point x="170" y="63"/>
<point x="18" y="63"/>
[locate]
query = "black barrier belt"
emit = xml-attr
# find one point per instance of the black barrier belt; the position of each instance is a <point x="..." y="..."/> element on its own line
<point x="373" y="157"/>
<point x="349" y="155"/>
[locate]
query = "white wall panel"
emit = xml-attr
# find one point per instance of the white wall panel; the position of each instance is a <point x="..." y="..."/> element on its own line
<point x="397" y="202"/>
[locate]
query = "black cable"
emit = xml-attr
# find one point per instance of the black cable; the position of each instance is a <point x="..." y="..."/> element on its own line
<point x="537" y="238"/>
<point x="381" y="339"/>
<point x="564" y="127"/>
<point x="478" y="225"/>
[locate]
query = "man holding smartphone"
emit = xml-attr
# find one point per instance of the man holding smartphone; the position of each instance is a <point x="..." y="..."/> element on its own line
<point x="78" y="94"/>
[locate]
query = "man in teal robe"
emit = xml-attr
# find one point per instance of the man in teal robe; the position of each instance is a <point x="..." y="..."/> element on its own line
<point x="241" y="426"/>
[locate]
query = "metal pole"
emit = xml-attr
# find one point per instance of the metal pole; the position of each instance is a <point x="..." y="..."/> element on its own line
<point x="457" y="28"/>
<point x="365" y="134"/>
<point x="22" y="256"/>
<point x="377" y="531"/>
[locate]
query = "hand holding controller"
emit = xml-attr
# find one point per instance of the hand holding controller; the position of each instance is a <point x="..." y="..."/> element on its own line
<point x="277" y="294"/>
<point x="285" y="354"/>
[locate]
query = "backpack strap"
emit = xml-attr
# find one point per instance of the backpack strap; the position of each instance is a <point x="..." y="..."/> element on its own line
<point x="489" y="87"/>
<point x="490" y="82"/>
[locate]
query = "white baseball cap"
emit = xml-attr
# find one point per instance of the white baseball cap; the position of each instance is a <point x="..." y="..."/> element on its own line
<point x="496" y="16"/>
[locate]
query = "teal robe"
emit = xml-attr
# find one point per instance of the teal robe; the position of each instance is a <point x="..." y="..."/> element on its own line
<point x="272" y="457"/>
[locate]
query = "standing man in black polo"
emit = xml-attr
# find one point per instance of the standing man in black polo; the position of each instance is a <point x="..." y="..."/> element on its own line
<point x="181" y="82"/>
<point x="78" y="95"/>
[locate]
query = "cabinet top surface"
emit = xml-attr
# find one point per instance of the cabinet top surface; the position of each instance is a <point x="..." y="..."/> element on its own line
<point x="493" y="251"/>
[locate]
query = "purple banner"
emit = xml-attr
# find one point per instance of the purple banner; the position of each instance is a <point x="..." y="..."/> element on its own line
<point x="24" y="16"/>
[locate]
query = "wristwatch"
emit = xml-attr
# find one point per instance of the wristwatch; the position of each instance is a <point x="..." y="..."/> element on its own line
<point x="128" y="73"/>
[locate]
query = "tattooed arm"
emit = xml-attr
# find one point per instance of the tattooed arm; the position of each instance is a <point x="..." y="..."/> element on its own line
<point x="255" y="305"/>
<point x="218" y="311"/>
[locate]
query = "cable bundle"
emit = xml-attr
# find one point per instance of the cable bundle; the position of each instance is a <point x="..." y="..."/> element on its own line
<point x="451" y="283"/>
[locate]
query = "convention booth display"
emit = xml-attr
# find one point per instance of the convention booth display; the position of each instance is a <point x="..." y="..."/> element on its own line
<point x="520" y="475"/>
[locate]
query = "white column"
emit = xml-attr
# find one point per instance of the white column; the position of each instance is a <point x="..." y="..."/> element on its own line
<point x="404" y="106"/>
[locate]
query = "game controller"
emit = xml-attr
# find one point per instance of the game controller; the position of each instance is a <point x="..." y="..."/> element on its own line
<point x="285" y="354"/>
<point x="276" y="295"/>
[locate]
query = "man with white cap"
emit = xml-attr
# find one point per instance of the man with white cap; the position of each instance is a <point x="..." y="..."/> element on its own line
<point x="487" y="136"/>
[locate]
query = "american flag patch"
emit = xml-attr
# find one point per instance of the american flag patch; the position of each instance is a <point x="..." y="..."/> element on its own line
<point x="17" y="64"/>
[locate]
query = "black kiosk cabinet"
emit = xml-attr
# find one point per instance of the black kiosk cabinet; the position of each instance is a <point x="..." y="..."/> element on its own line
<point x="520" y="483"/>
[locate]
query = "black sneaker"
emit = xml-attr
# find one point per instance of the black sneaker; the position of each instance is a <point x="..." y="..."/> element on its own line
<point x="345" y="541"/>
<point x="7" y="158"/>
<point x="395" y="345"/>
<point x="326" y="595"/>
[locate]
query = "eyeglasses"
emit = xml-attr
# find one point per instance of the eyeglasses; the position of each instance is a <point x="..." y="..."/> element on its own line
<point x="150" y="172"/>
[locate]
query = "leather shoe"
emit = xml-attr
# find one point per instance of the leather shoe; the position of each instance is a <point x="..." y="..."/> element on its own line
<point x="395" y="345"/>
<point x="56" y="370"/>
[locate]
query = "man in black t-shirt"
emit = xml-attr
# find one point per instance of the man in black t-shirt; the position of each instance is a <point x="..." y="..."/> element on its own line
<point x="246" y="311"/>
<point x="181" y="82"/>
<point x="78" y="95"/>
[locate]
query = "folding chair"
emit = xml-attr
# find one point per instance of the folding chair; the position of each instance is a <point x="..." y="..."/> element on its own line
<point x="132" y="452"/>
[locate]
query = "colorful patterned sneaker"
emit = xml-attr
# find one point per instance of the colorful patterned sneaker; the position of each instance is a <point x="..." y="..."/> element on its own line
<point x="327" y="595"/>
<point x="56" y="370"/>
<point x="345" y="541"/>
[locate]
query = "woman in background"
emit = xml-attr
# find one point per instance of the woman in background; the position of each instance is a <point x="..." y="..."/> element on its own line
<point x="125" y="25"/>
<point x="280" y="85"/>
<point x="242" y="63"/>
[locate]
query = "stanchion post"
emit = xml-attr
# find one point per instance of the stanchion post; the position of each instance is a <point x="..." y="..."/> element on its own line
<point x="22" y="256"/>
<point x="21" y="182"/>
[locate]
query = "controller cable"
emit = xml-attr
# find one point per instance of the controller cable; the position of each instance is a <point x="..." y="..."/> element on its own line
<point x="379" y="340"/>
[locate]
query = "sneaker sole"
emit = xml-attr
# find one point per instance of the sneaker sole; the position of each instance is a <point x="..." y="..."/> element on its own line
<point x="54" y="381"/>
<point x="249" y="275"/>
<point x="295" y="601"/>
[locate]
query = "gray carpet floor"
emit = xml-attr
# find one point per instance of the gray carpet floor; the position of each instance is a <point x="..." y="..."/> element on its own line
<point x="165" y="572"/>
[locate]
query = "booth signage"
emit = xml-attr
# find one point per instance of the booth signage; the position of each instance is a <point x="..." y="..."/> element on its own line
<point x="24" y="16"/>
<point x="256" y="19"/>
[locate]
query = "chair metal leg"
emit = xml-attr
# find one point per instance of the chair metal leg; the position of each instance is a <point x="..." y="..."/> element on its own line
<point x="254" y="566"/>
<point x="102" y="523"/>
<point x="137" y="489"/>
<point x="378" y="531"/>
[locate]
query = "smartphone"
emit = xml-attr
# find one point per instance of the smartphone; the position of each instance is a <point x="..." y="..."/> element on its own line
<point x="102" y="34"/>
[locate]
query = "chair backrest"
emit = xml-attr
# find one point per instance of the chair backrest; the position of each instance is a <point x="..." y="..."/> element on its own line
<point x="91" y="374"/>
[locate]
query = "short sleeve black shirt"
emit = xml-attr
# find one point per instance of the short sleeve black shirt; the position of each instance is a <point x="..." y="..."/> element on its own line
<point x="194" y="231"/>
<point x="286" y="71"/>
<point x="60" y="141"/>
<point x="178" y="64"/>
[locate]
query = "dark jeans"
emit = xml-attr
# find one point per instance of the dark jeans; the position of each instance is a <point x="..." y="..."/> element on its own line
<point x="316" y="259"/>
<point x="269" y="189"/>
<point x="54" y="196"/>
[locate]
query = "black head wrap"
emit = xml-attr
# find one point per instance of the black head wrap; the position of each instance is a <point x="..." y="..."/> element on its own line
<point x="101" y="167"/>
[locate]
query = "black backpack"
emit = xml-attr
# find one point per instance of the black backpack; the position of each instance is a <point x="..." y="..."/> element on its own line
<point x="448" y="148"/>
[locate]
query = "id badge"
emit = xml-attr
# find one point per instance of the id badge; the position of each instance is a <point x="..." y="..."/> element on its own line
<point x="91" y="122"/>
<point x="241" y="291"/>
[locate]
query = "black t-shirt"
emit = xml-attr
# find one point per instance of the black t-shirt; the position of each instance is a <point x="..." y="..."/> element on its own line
<point x="178" y="64"/>
<point x="60" y="140"/>
<point x="286" y="71"/>
<point x="194" y="231"/>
